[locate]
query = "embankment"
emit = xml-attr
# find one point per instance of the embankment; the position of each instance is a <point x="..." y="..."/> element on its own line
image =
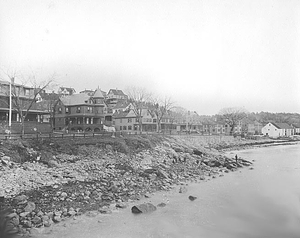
<point x="46" y="181"/>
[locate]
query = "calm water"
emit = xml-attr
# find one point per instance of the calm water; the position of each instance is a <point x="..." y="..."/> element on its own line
<point x="264" y="202"/>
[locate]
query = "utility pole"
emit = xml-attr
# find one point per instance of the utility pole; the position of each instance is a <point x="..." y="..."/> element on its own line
<point x="10" y="103"/>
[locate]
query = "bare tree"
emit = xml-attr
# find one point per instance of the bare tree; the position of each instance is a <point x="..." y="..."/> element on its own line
<point x="23" y="97"/>
<point x="231" y="116"/>
<point x="160" y="107"/>
<point x="138" y="97"/>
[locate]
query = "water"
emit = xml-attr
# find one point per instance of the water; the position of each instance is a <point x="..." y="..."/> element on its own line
<point x="264" y="202"/>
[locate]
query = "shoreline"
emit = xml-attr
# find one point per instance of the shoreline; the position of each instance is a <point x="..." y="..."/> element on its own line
<point x="37" y="219"/>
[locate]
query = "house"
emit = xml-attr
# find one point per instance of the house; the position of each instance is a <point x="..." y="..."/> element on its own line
<point x="276" y="130"/>
<point x="129" y="122"/>
<point x="296" y="127"/>
<point x="80" y="112"/>
<point x="46" y="102"/>
<point x="114" y="96"/>
<point x="126" y="121"/>
<point x="64" y="91"/>
<point x="23" y="96"/>
<point x="254" y="128"/>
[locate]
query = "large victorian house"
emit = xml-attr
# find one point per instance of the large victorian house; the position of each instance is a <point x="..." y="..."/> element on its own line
<point x="80" y="112"/>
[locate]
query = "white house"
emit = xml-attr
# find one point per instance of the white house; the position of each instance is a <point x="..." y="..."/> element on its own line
<point x="276" y="130"/>
<point x="296" y="127"/>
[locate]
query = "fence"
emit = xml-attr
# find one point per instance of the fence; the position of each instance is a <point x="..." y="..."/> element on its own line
<point x="204" y="138"/>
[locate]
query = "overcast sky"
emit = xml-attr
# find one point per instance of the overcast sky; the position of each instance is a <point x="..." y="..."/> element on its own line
<point x="205" y="54"/>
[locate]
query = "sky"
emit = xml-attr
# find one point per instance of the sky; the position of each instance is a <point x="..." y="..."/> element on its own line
<point x="204" y="54"/>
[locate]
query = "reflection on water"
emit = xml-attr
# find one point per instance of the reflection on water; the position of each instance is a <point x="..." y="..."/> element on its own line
<point x="264" y="202"/>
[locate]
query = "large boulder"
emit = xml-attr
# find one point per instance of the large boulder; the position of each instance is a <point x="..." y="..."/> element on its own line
<point x="143" y="208"/>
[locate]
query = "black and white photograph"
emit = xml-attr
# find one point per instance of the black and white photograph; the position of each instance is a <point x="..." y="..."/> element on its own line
<point x="150" y="118"/>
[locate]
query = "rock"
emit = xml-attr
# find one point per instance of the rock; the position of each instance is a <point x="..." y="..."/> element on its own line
<point x="143" y="208"/>
<point x="53" y="164"/>
<point x="27" y="224"/>
<point x="147" y="195"/>
<point x="121" y="205"/>
<point x="162" y="174"/>
<point x="109" y="147"/>
<point x="47" y="223"/>
<point x="45" y="218"/>
<point x="192" y="198"/>
<point x="57" y="219"/>
<point x="198" y="152"/>
<point x="12" y="220"/>
<point x="24" y="214"/>
<point x="19" y="200"/>
<point x="36" y="220"/>
<point x="5" y="160"/>
<point x="71" y="213"/>
<point x="40" y="214"/>
<point x="92" y="213"/>
<point x="182" y="190"/>
<point x="162" y="204"/>
<point x="105" y="210"/>
<point x="30" y="207"/>
<point x="177" y="148"/>
<point x="50" y="215"/>
<point x="57" y="213"/>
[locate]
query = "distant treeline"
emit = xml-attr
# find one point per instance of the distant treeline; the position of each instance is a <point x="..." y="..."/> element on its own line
<point x="265" y="117"/>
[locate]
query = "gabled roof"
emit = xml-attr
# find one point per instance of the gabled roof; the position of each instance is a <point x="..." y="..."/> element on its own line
<point x="70" y="90"/>
<point x="98" y="93"/>
<point x="281" y="125"/>
<point x="75" y="99"/>
<point x="116" y="92"/>
<point x="49" y="96"/>
<point x="121" y="104"/>
<point x="120" y="114"/>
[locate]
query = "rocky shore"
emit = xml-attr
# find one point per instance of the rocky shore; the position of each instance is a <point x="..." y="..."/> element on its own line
<point x="46" y="181"/>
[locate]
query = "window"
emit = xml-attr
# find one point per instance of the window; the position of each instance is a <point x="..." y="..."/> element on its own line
<point x="59" y="110"/>
<point x="27" y="91"/>
<point x="129" y="128"/>
<point x="129" y="119"/>
<point x="120" y="128"/>
<point x="154" y="120"/>
<point x="124" y="128"/>
<point x="67" y="110"/>
<point x="136" y="119"/>
<point x="78" y="109"/>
